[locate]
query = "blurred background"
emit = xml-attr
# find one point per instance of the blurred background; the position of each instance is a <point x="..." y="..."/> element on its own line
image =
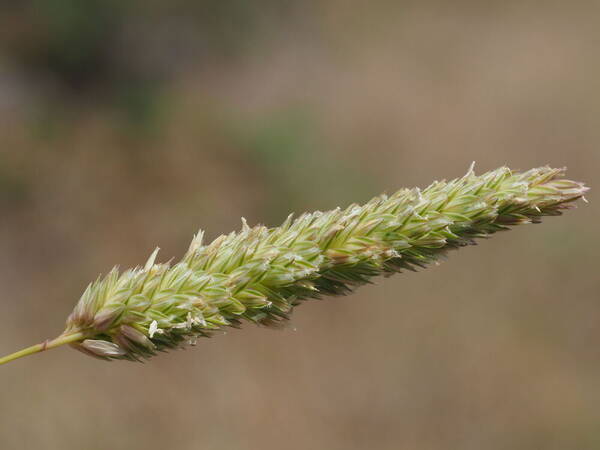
<point x="125" y="125"/>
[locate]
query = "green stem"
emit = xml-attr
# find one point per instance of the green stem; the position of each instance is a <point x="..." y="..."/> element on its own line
<point x="57" y="342"/>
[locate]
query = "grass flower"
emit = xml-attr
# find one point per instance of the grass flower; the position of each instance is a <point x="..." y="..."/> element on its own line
<point x="260" y="274"/>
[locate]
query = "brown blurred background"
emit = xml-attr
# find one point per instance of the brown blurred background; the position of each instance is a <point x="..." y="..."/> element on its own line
<point x="126" y="125"/>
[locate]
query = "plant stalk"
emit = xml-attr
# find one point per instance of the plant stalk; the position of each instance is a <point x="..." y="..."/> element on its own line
<point x="46" y="345"/>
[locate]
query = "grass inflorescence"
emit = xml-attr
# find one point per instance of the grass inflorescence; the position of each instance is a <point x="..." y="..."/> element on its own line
<point x="260" y="274"/>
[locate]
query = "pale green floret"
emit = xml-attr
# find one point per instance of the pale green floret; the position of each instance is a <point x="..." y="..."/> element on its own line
<point x="259" y="274"/>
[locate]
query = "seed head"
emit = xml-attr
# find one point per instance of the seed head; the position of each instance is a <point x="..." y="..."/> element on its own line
<point x="260" y="274"/>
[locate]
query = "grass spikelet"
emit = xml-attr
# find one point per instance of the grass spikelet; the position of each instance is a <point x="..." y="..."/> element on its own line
<point x="260" y="274"/>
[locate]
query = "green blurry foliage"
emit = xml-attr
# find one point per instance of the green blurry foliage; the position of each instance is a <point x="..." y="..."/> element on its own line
<point x="122" y="54"/>
<point x="287" y="149"/>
